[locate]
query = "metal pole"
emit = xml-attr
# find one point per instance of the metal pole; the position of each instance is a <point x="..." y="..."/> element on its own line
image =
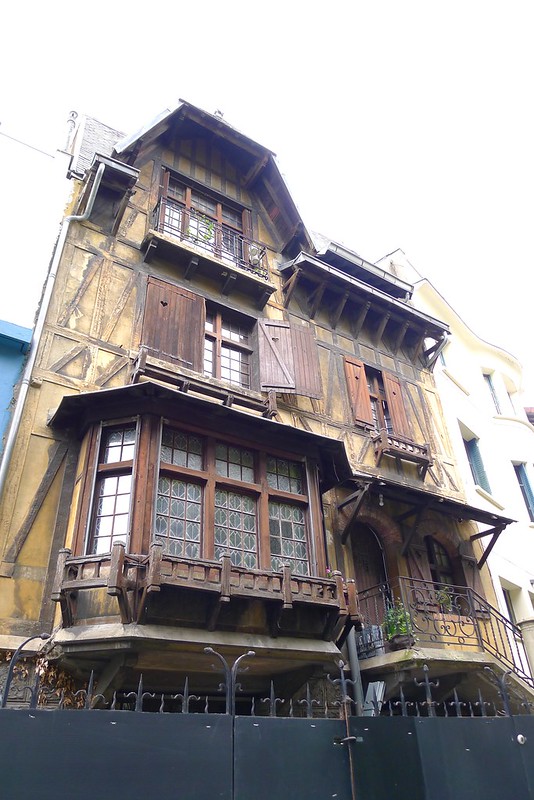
<point x="13" y="663"/>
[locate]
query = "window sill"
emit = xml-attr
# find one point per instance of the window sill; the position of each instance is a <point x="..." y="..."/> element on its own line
<point x="487" y="496"/>
<point x="456" y="382"/>
<point x="148" y="367"/>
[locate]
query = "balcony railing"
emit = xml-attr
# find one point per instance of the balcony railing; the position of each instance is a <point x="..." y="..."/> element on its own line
<point x="208" y="235"/>
<point x="133" y="578"/>
<point x="439" y="616"/>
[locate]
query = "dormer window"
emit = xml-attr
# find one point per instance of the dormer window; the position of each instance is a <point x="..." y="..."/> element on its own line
<point x="209" y="222"/>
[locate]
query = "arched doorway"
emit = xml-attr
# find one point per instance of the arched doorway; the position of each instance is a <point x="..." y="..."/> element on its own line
<point x="369" y="564"/>
<point x="371" y="584"/>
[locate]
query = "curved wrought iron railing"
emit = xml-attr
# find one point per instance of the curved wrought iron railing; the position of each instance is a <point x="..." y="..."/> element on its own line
<point x="439" y="615"/>
<point x="206" y="234"/>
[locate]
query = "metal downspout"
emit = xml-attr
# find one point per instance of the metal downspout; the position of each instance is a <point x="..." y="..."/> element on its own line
<point x="354" y="665"/>
<point x="39" y="325"/>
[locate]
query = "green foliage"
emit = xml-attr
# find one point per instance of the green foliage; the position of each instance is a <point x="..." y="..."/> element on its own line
<point x="397" y="620"/>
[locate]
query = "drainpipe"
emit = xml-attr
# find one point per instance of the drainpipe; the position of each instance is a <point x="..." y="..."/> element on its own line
<point x="39" y="325"/>
<point x="354" y="665"/>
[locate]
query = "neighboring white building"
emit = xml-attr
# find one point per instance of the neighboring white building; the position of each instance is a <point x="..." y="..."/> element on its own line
<point x="480" y="386"/>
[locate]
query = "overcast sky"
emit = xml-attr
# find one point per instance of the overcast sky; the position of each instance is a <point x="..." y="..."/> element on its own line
<point x="396" y="124"/>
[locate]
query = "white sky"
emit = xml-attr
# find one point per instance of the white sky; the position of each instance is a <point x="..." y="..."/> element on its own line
<point x="396" y="124"/>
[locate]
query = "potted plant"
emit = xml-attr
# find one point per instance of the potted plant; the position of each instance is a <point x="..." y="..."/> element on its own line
<point x="444" y="599"/>
<point x="397" y="626"/>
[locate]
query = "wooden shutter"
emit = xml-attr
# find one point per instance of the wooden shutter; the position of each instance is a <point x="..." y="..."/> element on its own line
<point x="173" y="324"/>
<point x="247" y="223"/>
<point x="397" y="411"/>
<point x="417" y="560"/>
<point x="288" y="358"/>
<point x="477" y="465"/>
<point x="358" y="391"/>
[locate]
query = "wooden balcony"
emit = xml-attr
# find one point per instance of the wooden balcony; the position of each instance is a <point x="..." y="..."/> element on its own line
<point x="209" y="247"/>
<point x="388" y="444"/>
<point x="207" y="594"/>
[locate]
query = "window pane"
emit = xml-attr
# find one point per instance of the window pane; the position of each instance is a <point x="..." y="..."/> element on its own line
<point x="285" y="475"/>
<point x="235" y="366"/>
<point x="235" y="528"/>
<point x="181" y="449"/>
<point x="118" y="444"/>
<point x="179" y="517"/>
<point x="288" y="538"/>
<point x="234" y="462"/>
<point x="112" y="513"/>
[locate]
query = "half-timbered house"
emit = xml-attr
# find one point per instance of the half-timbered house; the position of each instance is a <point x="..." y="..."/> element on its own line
<point x="231" y="437"/>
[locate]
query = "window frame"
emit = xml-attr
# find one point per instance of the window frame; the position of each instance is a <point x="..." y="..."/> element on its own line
<point x="216" y="336"/>
<point x="96" y="471"/>
<point x="476" y="463"/>
<point x="359" y="377"/>
<point x="525" y="487"/>
<point x="488" y="380"/>
<point x="213" y="239"/>
<point x="147" y="466"/>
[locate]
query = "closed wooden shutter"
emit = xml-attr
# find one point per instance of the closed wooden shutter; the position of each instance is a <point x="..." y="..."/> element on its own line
<point x="306" y="362"/>
<point x="397" y="411"/>
<point x="417" y="560"/>
<point x="174" y="323"/>
<point x="358" y="391"/>
<point x="288" y="357"/>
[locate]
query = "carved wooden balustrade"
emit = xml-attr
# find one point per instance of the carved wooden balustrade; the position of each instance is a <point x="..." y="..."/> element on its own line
<point x="133" y="579"/>
<point x="388" y="444"/>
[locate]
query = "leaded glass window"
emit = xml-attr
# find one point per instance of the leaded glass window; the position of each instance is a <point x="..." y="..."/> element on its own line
<point x="181" y="449"/>
<point x="235" y="528"/>
<point x="234" y="462"/>
<point x="285" y="475"/>
<point x="287" y="532"/>
<point x="179" y="517"/>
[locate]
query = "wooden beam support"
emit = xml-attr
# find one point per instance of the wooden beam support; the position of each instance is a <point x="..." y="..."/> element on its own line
<point x="399" y="339"/>
<point x="315" y="299"/>
<point x="289" y="286"/>
<point x="489" y="532"/>
<point x="255" y="171"/>
<point x="336" y="314"/>
<point x="360" y="319"/>
<point x="354" y="513"/>
<point x="413" y="530"/>
<point x="56" y="459"/>
<point x="382" y="327"/>
<point x="419" y="345"/>
<point x="229" y="280"/>
<point x="490" y="546"/>
<point x="191" y="267"/>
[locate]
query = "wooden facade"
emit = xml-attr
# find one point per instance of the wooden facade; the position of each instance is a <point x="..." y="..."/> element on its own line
<point x="229" y="434"/>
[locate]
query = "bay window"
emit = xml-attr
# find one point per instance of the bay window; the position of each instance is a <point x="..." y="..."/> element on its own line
<point x="209" y="497"/>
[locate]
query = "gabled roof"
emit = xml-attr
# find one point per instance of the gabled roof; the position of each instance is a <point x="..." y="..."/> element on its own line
<point x="256" y="163"/>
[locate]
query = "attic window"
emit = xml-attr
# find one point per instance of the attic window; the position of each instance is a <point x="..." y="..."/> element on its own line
<point x="208" y="222"/>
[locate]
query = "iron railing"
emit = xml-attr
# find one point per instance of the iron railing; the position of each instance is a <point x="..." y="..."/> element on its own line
<point x="439" y="615"/>
<point x="414" y="698"/>
<point x="206" y="234"/>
